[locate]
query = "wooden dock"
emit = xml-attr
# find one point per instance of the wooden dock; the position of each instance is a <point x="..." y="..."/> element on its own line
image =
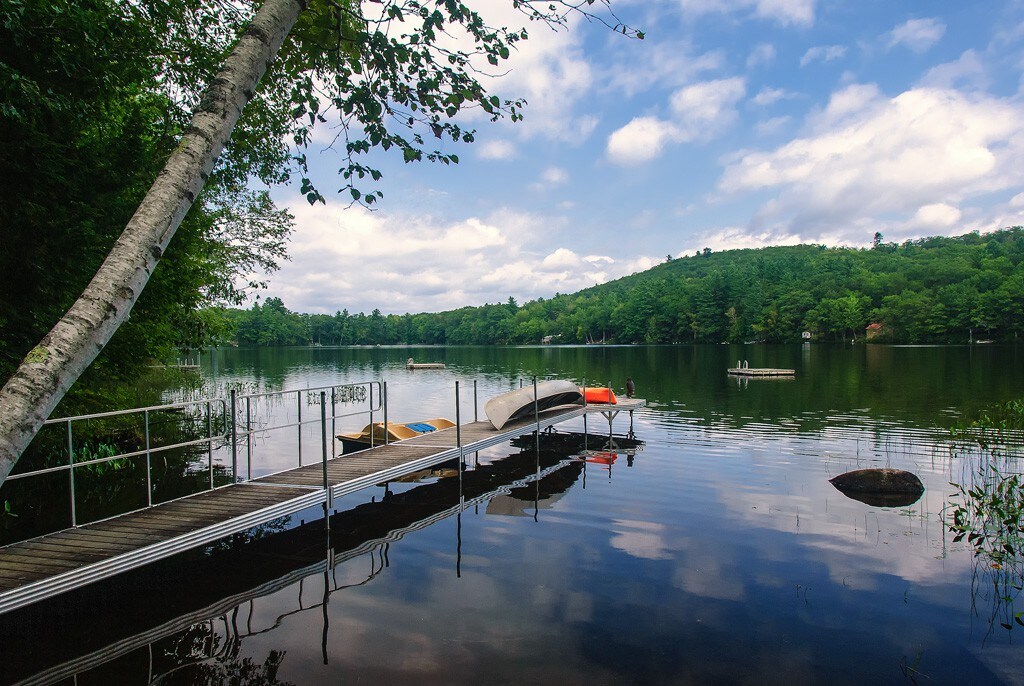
<point x="42" y="567"/>
<point x="760" y="371"/>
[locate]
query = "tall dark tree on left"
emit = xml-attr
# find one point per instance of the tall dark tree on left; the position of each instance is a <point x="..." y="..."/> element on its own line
<point x="86" y="127"/>
<point x="395" y="73"/>
<point x="98" y="53"/>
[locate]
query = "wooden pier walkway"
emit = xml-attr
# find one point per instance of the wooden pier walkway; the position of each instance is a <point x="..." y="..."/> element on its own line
<point x="42" y="567"/>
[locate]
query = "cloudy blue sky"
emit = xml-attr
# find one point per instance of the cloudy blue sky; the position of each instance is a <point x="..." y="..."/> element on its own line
<point x="736" y="123"/>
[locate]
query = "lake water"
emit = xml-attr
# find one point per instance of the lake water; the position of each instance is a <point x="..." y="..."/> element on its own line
<point x="719" y="553"/>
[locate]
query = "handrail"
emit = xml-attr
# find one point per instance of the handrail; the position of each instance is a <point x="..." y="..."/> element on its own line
<point x="313" y="397"/>
<point x="231" y="428"/>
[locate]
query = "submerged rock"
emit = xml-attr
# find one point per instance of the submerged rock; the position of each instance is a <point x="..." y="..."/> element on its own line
<point x="880" y="487"/>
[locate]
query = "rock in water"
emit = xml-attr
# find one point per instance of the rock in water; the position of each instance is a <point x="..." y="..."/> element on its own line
<point x="880" y="487"/>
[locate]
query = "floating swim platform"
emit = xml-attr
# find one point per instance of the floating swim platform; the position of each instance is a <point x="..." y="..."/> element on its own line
<point x="761" y="371"/>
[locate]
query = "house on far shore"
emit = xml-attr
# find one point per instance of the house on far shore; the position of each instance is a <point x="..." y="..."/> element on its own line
<point x="547" y="340"/>
<point x="873" y="331"/>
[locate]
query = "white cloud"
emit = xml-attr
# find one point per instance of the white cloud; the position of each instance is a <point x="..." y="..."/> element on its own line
<point x="938" y="216"/>
<point x="734" y="237"/>
<point x="554" y="176"/>
<point x="769" y="127"/>
<point x="361" y="260"/>
<point x="666" y="64"/>
<point x="496" y="150"/>
<point x="846" y="105"/>
<point x="640" y="140"/>
<point x="550" y="70"/>
<point x="769" y="96"/>
<point x="968" y="69"/>
<point x="824" y="53"/>
<point x="699" y="112"/>
<point x="761" y="54"/>
<point x="785" y="12"/>
<point x="868" y="157"/>
<point x="703" y="108"/>
<point x="917" y="35"/>
<point x="561" y="259"/>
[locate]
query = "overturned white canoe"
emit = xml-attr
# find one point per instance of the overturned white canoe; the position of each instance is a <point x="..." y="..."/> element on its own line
<point x="520" y="403"/>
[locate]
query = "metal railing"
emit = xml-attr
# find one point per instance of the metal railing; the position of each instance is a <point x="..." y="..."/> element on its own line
<point x="147" y="449"/>
<point x="224" y="427"/>
<point x="344" y="394"/>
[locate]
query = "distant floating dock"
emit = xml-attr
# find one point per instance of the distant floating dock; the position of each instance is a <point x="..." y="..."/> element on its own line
<point x="412" y="364"/>
<point x="761" y="371"/>
<point x="41" y="567"/>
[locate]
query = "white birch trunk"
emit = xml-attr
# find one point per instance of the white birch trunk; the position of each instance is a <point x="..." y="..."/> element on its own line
<point x="51" y="368"/>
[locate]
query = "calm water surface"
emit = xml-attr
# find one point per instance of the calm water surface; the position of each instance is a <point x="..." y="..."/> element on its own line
<point x="719" y="553"/>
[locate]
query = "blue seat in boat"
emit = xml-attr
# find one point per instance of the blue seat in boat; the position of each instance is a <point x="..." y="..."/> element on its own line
<point x="421" y="427"/>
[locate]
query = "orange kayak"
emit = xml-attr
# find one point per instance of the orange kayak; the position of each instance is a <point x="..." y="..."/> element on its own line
<point x="604" y="396"/>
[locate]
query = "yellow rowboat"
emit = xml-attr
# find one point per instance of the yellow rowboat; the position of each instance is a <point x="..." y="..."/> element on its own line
<point x="353" y="442"/>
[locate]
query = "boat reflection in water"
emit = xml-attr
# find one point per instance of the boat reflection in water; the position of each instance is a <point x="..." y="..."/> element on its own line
<point x="185" y="618"/>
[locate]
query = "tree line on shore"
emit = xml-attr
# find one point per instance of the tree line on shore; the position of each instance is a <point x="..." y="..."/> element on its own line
<point x="931" y="290"/>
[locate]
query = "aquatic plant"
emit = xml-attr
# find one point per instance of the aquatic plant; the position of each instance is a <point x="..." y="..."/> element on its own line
<point x="989" y="514"/>
<point x="1000" y="424"/>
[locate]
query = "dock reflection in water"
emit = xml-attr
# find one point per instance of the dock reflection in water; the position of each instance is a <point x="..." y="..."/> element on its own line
<point x="183" y="620"/>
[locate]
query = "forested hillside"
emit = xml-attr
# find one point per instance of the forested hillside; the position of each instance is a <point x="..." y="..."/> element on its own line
<point x="933" y="290"/>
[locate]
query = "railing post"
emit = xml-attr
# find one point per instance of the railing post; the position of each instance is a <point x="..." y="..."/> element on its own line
<point x="458" y="442"/>
<point x="248" y="438"/>
<point x="71" y="475"/>
<point x="384" y="403"/>
<point x="370" y="385"/>
<point x="536" y="417"/>
<point x="149" y="464"/>
<point x="323" y="438"/>
<point x="298" y="404"/>
<point x="476" y="415"/>
<point x="585" y="413"/>
<point x="234" y="440"/>
<point x="334" y="418"/>
<point x="209" y="438"/>
<point x="536" y="405"/>
<point x="458" y="425"/>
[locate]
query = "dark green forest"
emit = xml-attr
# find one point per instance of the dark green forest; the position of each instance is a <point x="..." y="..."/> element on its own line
<point x="94" y="96"/>
<point x="932" y="290"/>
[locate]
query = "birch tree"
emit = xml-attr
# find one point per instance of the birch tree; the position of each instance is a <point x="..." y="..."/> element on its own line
<point x="395" y="73"/>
